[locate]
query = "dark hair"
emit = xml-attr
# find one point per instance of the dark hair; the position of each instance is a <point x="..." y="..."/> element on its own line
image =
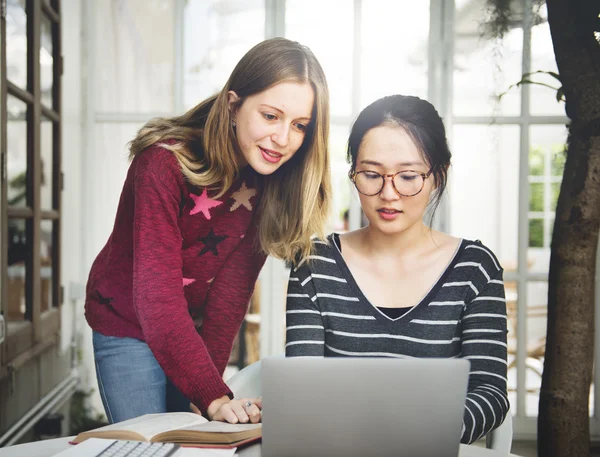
<point x="421" y="121"/>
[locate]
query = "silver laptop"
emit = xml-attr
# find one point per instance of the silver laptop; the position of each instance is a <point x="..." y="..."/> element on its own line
<point x="359" y="407"/>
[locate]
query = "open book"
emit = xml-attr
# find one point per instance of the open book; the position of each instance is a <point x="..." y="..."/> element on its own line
<point x="187" y="429"/>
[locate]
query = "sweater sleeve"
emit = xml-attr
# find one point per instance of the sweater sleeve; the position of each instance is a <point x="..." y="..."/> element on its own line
<point x="158" y="296"/>
<point x="305" y="332"/>
<point x="484" y="345"/>
<point x="229" y="296"/>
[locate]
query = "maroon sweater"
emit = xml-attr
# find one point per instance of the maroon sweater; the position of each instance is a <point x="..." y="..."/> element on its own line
<point x="178" y="271"/>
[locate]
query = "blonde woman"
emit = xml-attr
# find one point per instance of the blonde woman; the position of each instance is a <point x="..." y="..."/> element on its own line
<point x="208" y="195"/>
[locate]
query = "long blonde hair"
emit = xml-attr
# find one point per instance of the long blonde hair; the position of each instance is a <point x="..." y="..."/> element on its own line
<point x="296" y="198"/>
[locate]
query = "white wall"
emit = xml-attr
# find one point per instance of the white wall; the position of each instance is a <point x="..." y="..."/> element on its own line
<point x="75" y="197"/>
<point x="73" y="223"/>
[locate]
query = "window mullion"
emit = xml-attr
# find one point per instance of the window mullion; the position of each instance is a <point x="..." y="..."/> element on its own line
<point x="523" y="224"/>
<point x="34" y="115"/>
<point x="548" y="210"/>
<point x="3" y="185"/>
<point x="57" y="181"/>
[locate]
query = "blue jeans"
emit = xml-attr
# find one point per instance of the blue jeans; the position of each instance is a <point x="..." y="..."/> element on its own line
<point x="131" y="381"/>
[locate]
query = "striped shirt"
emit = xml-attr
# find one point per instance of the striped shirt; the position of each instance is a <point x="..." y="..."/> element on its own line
<point x="463" y="315"/>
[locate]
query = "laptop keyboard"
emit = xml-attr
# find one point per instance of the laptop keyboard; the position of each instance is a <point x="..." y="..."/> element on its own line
<point x="137" y="449"/>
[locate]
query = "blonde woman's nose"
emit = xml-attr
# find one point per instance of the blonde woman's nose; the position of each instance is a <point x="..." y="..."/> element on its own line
<point x="281" y="135"/>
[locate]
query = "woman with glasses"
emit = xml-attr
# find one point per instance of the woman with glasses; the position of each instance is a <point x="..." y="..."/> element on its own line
<point x="398" y="288"/>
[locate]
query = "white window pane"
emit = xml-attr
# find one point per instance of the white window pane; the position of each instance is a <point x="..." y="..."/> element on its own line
<point x="395" y="36"/>
<point x="16" y="154"/>
<point x="134" y="55"/>
<point x="47" y="162"/>
<point x="326" y="27"/>
<point x="546" y="164"/>
<point x="543" y="99"/>
<point x="46" y="61"/>
<point x="217" y="35"/>
<point x="484" y="68"/>
<point x="16" y="43"/>
<point x="483" y="188"/>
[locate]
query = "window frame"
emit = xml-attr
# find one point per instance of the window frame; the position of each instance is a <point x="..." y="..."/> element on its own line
<point x="38" y="330"/>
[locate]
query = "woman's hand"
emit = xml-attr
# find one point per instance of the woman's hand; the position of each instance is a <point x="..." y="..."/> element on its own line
<point x="238" y="410"/>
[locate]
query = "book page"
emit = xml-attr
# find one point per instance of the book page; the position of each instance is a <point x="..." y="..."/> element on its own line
<point x="220" y="427"/>
<point x="152" y="424"/>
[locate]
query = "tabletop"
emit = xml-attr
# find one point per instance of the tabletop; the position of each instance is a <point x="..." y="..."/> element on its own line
<point x="47" y="448"/>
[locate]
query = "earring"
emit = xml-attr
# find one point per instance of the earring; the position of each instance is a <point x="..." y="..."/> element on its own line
<point x="233" y="124"/>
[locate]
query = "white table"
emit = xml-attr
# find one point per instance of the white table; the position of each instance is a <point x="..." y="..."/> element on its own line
<point x="48" y="448"/>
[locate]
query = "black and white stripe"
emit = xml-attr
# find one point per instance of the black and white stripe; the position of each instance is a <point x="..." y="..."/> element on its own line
<point x="464" y="315"/>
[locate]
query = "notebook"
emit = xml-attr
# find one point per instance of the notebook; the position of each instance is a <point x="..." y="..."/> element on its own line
<point x="356" y="407"/>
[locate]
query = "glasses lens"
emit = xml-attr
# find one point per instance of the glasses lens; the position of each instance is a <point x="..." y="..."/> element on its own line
<point x="368" y="182"/>
<point x="408" y="183"/>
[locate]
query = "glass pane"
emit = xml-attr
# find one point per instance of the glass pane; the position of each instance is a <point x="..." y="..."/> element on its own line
<point x="16" y="43"/>
<point x="536" y="161"/>
<point x="484" y="68"/>
<point x="17" y="256"/>
<point x="338" y="140"/>
<point x="546" y="159"/>
<point x="134" y="55"/>
<point x="486" y="158"/>
<point x="537" y="299"/>
<point x="394" y="53"/>
<point x="548" y="230"/>
<point x="217" y="35"/>
<point x="331" y="45"/>
<point x="16" y="139"/>
<point x="543" y="99"/>
<point x="46" y="140"/>
<point x="536" y="234"/>
<point x="46" y="260"/>
<point x="559" y="156"/>
<point x="46" y="62"/>
<point x="536" y="197"/>
<point x="554" y="199"/>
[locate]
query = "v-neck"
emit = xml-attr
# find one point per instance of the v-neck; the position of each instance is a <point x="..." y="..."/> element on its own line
<point x="374" y="310"/>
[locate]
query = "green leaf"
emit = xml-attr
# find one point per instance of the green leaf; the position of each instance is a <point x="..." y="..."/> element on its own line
<point x="554" y="75"/>
<point x="525" y="79"/>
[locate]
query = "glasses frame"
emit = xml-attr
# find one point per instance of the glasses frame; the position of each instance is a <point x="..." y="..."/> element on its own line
<point x="353" y="173"/>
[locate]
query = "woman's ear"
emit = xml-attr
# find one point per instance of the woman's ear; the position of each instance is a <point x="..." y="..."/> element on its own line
<point x="233" y="100"/>
<point x="445" y="168"/>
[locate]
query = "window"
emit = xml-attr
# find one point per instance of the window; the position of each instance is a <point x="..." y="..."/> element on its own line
<point x="31" y="66"/>
<point x="511" y="149"/>
<point x="545" y="175"/>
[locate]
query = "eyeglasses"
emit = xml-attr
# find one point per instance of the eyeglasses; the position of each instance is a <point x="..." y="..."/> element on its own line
<point x="406" y="183"/>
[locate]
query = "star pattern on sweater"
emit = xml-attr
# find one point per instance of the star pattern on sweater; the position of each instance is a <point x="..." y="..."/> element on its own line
<point x="203" y="204"/>
<point x="210" y="243"/>
<point x="242" y="197"/>
<point x="104" y="300"/>
<point x="188" y="281"/>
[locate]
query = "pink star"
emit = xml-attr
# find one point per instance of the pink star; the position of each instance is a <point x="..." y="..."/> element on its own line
<point x="242" y="197"/>
<point x="188" y="281"/>
<point x="203" y="204"/>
